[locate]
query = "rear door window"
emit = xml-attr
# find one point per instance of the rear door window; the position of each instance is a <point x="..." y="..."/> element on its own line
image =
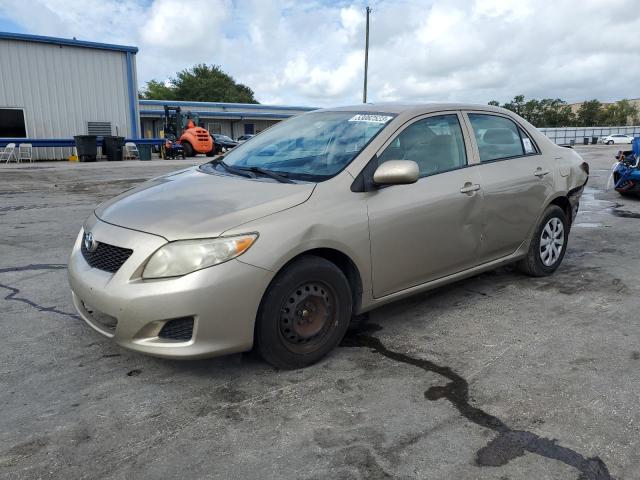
<point x="499" y="138"/>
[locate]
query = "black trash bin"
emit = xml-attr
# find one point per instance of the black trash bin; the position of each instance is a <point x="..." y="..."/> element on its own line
<point x="112" y="148"/>
<point x="586" y="140"/>
<point x="145" y="152"/>
<point x="86" y="147"/>
<point x="594" y="140"/>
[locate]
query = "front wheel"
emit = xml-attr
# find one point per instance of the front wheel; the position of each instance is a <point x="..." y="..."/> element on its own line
<point x="187" y="149"/>
<point x="610" y="142"/>
<point x="304" y="313"/>
<point x="548" y="245"/>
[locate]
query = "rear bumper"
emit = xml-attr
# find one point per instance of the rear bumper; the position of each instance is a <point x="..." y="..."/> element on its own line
<point x="222" y="300"/>
<point x="574" y="198"/>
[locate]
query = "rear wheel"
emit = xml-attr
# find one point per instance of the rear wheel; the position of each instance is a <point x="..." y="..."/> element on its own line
<point x="304" y="313"/>
<point x="548" y="245"/>
<point x="187" y="149"/>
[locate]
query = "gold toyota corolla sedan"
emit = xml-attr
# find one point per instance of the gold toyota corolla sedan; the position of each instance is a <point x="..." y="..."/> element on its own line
<point x="277" y="244"/>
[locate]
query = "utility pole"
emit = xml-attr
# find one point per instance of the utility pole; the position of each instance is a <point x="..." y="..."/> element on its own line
<point x="366" y="58"/>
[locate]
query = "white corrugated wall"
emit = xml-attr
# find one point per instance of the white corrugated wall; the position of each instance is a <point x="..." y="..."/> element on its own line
<point x="61" y="88"/>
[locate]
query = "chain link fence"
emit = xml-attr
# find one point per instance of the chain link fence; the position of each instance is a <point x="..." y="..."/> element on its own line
<point x="577" y="135"/>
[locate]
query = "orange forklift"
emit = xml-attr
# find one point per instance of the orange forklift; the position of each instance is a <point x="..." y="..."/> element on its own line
<point x="185" y="129"/>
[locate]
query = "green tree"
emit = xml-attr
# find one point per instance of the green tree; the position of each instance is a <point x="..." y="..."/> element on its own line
<point x="548" y="112"/>
<point x="619" y="113"/>
<point x="494" y="103"/>
<point x="516" y="105"/>
<point x="589" y="113"/>
<point x="200" y="83"/>
<point x="554" y="112"/>
<point x="157" y="90"/>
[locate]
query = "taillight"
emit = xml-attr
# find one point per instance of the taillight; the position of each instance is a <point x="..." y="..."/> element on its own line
<point x="585" y="167"/>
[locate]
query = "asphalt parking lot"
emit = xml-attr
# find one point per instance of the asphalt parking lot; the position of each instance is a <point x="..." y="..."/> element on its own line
<point x="500" y="376"/>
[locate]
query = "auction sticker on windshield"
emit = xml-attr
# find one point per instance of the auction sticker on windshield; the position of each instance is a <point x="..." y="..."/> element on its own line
<point x="370" y="118"/>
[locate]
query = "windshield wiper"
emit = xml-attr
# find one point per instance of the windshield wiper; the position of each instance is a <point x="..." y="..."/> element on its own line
<point x="234" y="170"/>
<point x="268" y="173"/>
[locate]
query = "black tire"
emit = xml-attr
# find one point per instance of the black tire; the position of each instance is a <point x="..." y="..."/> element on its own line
<point x="610" y="142"/>
<point x="211" y="152"/>
<point x="532" y="264"/>
<point x="187" y="149"/>
<point x="284" y="333"/>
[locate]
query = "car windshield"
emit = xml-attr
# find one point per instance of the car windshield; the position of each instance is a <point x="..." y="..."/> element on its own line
<point x="314" y="146"/>
<point x="222" y="138"/>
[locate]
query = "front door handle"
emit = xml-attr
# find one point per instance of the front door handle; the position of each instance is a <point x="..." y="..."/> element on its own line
<point x="541" y="173"/>
<point x="470" y="188"/>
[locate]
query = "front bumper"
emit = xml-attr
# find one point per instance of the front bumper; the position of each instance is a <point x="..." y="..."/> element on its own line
<point x="223" y="300"/>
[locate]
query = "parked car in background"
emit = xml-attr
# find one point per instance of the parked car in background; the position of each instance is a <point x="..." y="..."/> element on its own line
<point x="223" y="143"/>
<point x="616" y="138"/>
<point x="245" y="137"/>
<point x="325" y="215"/>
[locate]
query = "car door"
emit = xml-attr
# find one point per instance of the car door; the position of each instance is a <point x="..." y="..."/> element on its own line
<point x="429" y="229"/>
<point x="516" y="179"/>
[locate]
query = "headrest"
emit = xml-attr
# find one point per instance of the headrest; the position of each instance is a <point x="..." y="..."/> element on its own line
<point x="442" y="140"/>
<point x="418" y="134"/>
<point x="499" y="136"/>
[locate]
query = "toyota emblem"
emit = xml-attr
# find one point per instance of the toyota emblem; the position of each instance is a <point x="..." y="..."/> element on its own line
<point x="89" y="242"/>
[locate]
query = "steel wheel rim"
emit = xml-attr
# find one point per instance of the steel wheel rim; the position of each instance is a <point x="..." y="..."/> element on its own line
<point x="551" y="242"/>
<point x="306" y="316"/>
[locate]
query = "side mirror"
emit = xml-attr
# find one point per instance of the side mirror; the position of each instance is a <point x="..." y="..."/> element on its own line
<point x="396" y="172"/>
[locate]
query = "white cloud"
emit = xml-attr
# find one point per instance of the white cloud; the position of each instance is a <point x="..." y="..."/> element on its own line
<point x="181" y="25"/>
<point x="311" y="52"/>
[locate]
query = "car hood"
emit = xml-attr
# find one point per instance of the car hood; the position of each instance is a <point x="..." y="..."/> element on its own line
<point x="194" y="204"/>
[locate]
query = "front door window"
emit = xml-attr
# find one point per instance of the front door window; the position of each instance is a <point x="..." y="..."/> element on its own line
<point x="435" y="143"/>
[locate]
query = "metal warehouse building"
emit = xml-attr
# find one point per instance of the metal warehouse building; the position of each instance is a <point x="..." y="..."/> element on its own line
<point x="231" y="119"/>
<point x="52" y="89"/>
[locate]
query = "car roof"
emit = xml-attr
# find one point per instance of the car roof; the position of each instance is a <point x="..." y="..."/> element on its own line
<point x="415" y="108"/>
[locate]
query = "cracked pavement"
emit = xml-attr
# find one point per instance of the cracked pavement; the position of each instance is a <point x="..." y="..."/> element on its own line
<point x="500" y="376"/>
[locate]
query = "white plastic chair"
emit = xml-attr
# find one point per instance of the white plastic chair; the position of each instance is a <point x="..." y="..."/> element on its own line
<point x="25" y="152"/>
<point x="8" y="153"/>
<point x="131" y="151"/>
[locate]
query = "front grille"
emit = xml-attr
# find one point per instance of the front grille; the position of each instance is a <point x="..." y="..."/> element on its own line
<point x="106" y="257"/>
<point x="178" y="329"/>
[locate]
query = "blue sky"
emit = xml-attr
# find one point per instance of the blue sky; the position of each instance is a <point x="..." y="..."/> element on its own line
<point x="7" y="25"/>
<point x="310" y="52"/>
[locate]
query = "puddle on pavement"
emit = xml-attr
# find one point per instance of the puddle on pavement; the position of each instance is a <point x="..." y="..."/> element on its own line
<point x="590" y="206"/>
<point x="589" y="203"/>
<point x="617" y="212"/>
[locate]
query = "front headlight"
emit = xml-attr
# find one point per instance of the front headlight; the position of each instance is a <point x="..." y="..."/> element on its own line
<point x="179" y="258"/>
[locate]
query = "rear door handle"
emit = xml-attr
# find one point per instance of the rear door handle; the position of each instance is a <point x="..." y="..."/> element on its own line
<point x="541" y="173"/>
<point x="470" y="188"/>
